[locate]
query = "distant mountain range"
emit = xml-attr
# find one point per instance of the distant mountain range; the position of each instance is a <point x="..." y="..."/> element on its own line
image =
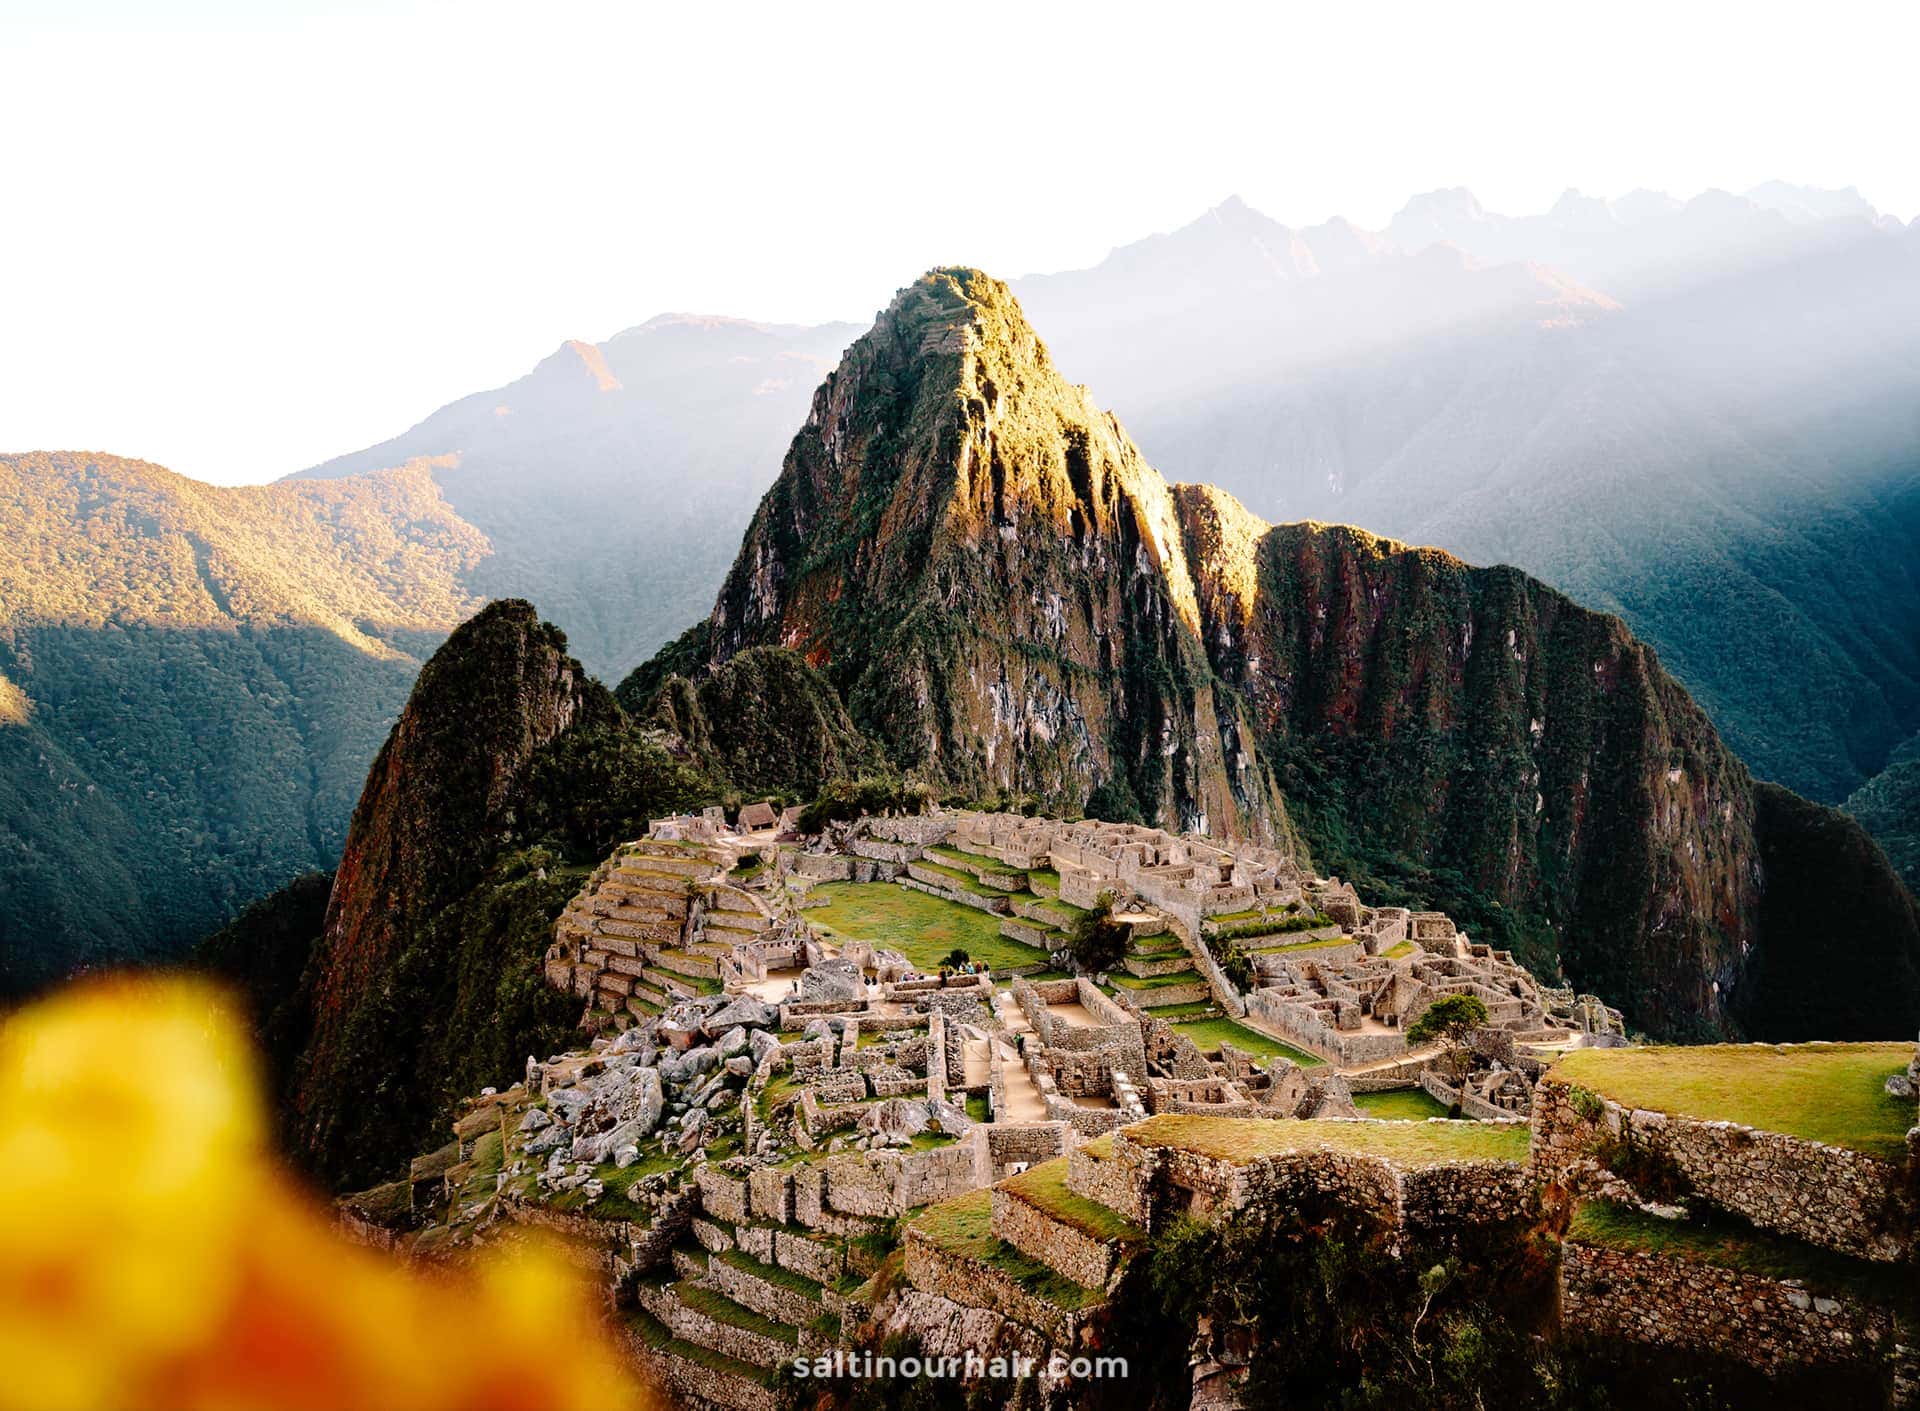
<point x="613" y="480"/>
<point x="195" y="678"/>
<point x="1699" y="414"/>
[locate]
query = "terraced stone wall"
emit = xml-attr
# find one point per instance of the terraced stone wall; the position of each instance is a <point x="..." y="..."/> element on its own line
<point x="1826" y="1195"/>
<point x="1663" y="1301"/>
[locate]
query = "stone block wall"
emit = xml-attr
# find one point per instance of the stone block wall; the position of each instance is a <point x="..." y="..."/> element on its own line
<point x="1664" y="1301"/>
<point x="1029" y="1145"/>
<point x="1436" y="1199"/>
<point x="936" y="1270"/>
<point x="1828" y="1196"/>
<point x="722" y="1195"/>
<point x="697" y="1384"/>
<point x="1069" y="1251"/>
<point x="923" y="830"/>
<point x="1113" y="1182"/>
<point x="1303" y="1027"/>
<point x="824" y="866"/>
<point x="1151" y="1184"/>
<point x="883" y="1185"/>
<point x="1471" y="1104"/>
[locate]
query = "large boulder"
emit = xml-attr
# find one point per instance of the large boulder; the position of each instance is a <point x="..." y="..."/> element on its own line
<point x="945" y="1117"/>
<point x="832" y="980"/>
<point x="895" y="1121"/>
<point x="645" y="1100"/>
<point x="742" y="1011"/>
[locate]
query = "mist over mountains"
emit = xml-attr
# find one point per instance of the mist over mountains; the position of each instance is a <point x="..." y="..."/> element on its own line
<point x="612" y="481"/>
<point x="1699" y="414"/>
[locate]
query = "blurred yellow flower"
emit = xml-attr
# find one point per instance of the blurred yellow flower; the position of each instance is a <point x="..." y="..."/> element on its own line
<point x="153" y="1256"/>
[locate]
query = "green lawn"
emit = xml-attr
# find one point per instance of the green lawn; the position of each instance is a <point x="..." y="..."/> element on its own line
<point x="1208" y="1034"/>
<point x="920" y="927"/>
<point x="964" y="1226"/>
<point x="1400" y="1105"/>
<point x="1296" y="947"/>
<point x="1243" y="1139"/>
<point x="1045" y="1185"/>
<point x="1734" y="1245"/>
<point x="1832" y="1093"/>
<point x="1193" y="1009"/>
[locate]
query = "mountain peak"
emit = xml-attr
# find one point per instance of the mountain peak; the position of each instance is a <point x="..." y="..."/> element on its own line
<point x="979" y="560"/>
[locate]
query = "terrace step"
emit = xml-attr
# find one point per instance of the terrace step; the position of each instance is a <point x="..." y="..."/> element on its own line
<point x="686" y="963"/>
<point x="707" y="1318"/>
<point x="1036" y="1213"/>
<point x="1147" y="967"/>
<point x="671" y="983"/>
<point x="770" y="1291"/>
<point x="684" y="1366"/>
<point x="668" y="865"/>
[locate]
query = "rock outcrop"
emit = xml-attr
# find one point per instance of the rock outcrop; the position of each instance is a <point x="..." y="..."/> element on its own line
<point x="441" y="804"/>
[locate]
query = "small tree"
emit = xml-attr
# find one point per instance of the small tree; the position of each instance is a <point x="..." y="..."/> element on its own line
<point x="1449" y="1021"/>
<point x="955" y="958"/>
<point x="1097" y="941"/>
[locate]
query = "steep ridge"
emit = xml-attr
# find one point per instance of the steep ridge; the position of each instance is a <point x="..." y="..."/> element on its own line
<point x="992" y="577"/>
<point x="195" y="678"/>
<point x="1472" y="737"/>
<point x="449" y="793"/>
<point x="1008" y="598"/>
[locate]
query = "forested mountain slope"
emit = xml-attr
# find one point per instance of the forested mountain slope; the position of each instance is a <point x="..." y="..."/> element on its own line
<point x="195" y="679"/>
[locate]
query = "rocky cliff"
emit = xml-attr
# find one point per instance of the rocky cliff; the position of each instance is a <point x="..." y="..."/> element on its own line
<point x="1009" y="598"/>
<point x="416" y="970"/>
<point x="1426" y="717"/>
<point x="982" y="564"/>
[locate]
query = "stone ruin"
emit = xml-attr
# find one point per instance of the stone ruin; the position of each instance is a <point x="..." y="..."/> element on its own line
<point x="789" y="1098"/>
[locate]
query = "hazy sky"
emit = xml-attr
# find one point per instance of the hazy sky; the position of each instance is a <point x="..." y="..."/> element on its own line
<point x="239" y="238"/>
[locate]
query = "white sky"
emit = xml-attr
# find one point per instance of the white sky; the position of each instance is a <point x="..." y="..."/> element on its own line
<point x="238" y="238"/>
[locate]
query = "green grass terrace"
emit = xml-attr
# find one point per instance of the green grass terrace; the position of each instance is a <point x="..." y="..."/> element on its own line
<point x="1831" y="1093"/>
<point x="964" y="1226"/>
<point x="1241" y="1140"/>
<point x="923" y="928"/>
<point x="1400" y="1105"/>
<point x="1045" y="1186"/>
